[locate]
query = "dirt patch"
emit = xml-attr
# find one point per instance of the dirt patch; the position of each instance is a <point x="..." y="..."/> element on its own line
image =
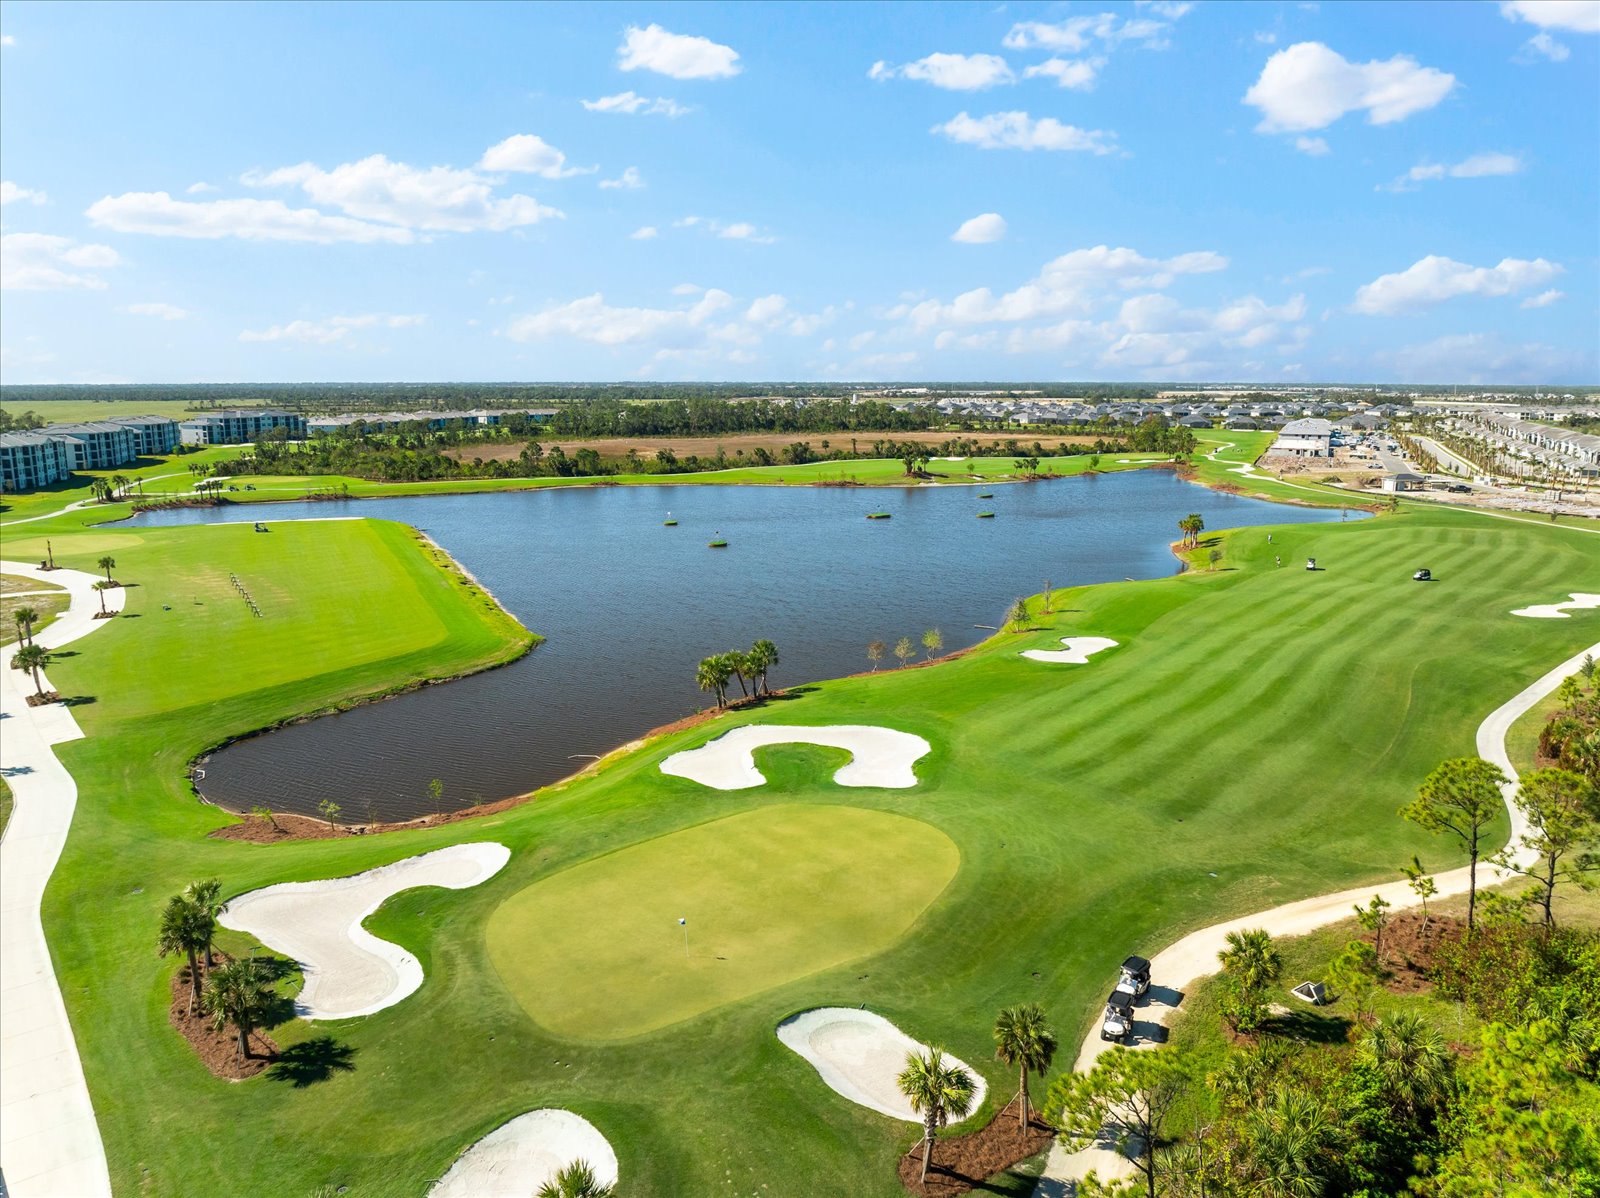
<point x="963" y="1163"/>
<point x="616" y="448"/>
<point x="1409" y="949"/>
<point x="217" y="1050"/>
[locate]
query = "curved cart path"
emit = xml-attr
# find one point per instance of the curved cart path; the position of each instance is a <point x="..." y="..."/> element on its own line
<point x="49" y="1142"/>
<point x="1195" y="956"/>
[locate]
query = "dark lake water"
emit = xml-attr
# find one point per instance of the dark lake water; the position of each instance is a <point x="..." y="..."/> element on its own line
<point x="629" y="606"/>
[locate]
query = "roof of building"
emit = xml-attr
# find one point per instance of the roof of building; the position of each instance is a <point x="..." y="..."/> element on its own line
<point x="140" y="420"/>
<point x="25" y="438"/>
<point x="1314" y="427"/>
<point x="87" y="426"/>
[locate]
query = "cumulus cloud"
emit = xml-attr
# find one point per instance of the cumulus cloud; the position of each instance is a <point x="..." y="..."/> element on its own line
<point x="326" y="332"/>
<point x="1542" y="45"/>
<point x="981" y="229"/>
<point x="953" y="72"/>
<point x="1544" y="299"/>
<point x="592" y="319"/>
<point x="433" y="199"/>
<point x="1434" y="279"/>
<point x="629" y="180"/>
<point x="678" y="55"/>
<point x="1019" y="131"/>
<point x="1079" y="33"/>
<point x="200" y="188"/>
<point x="159" y="311"/>
<point x="158" y="214"/>
<point x="644" y="233"/>
<point x="529" y="154"/>
<point x="1309" y="86"/>
<point x="630" y="103"/>
<point x="739" y="230"/>
<point x="10" y="193"/>
<point x="1573" y="16"/>
<point x="44" y="262"/>
<point x="1478" y="166"/>
<point x="1314" y="146"/>
<point x="1079" y="74"/>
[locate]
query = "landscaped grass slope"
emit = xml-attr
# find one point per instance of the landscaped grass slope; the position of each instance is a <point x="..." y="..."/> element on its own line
<point x="1248" y="743"/>
<point x="596" y="953"/>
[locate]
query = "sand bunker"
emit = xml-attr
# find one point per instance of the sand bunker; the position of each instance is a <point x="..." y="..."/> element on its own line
<point x="1559" y="611"/>
<point x="1077" y="652"/>
<point x="859" y="1055"/>
<point x="518" y="1157"/>
<point x="349" y="971"/>
<point x="881" y="756"/>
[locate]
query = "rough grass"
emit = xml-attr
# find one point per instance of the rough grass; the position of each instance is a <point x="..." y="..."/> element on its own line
<point x="1248" y="744"/>
<point x="48" y="606"/>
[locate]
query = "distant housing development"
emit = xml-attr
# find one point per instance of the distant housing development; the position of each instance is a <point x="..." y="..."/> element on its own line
<point x="1305" y="439"/>
<point x="240" y="426"/>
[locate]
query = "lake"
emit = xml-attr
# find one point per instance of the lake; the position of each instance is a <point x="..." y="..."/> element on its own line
<point x="629" y="606"/>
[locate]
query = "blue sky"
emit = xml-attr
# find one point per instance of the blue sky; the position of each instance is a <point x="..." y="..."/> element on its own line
<point x="1276" y="192"/>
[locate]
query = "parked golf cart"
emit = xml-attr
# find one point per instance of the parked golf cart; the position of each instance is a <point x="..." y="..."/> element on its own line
<point x="1117" y="1022"/>
<point x="1422" y="576"/>
<point x="1135" y="979"/>
<point x="1311" y="563"/>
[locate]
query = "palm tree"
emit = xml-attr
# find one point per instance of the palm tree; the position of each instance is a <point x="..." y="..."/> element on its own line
<point x="739" y="666"/>
<point x="207" y="895"/>
<point x="763" y="656"/>
<point x="1288" y="1142"/>
<point x="238" y="993"/>
<point x="107" y="563"/>
<point x="187" y="929"/>
<point x="1410" y="1057"/>
<point x="577" y="1180"/>
<point x="101" y="586"/>
<point x="1252" y="958"/>
<point x="32" y="658"/>
<point x="938" y="1091"/>
<point x="1023" y="1039"/>
<point x="712" y="675"/>
<point x="26" y="618"/>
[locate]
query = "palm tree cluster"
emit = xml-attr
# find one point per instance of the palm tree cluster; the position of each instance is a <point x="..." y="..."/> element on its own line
<point x="189" y="928"/>
<point x="1572" y="737"/>
<point x="1191" y="526"/>
<point x="25" y="618"/>
<point x="746" y="666"/>
<point x="577" y="1180"/>
<point x="239" y="992"/>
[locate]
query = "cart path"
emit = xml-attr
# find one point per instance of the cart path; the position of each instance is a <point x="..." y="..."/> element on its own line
<point x="1195" y="956"/>
<point x="49" y="1141"/>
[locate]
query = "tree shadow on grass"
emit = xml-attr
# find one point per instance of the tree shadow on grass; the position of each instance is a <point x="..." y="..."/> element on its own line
<point x="312" y="1061"/>
<point x="1310" y="1027"/>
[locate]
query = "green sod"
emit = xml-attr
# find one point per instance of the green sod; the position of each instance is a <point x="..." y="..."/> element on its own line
<point x="771" y="895"/>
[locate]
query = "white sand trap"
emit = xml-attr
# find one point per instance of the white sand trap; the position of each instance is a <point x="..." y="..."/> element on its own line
<point x="1077" y="652"/>
<point x="860" y="1054"/>
<point x="348" y="970"/>
<point x="881" y="756"/>
<point x="518" y="1157"/>
<point x="1559" y="611"/>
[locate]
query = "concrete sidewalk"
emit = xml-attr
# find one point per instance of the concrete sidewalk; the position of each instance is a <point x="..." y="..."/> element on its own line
<point x="49" y="1142"/>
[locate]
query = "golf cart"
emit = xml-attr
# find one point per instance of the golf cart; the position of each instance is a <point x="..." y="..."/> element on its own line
<point x="1117" y="1022"/>
<point x="1422" y="576"/>
<point x="1311" y="563"/>
<point x="1135" y="979"/>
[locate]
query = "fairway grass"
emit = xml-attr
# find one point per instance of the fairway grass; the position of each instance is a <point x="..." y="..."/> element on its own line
<point x="772" y="895"/>
<point x="1247" y="744"/>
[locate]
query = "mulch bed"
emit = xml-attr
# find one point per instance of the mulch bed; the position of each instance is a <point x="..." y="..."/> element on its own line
<point x="217" y="1050"/>
<point x="44" y="699"/>
<point x="964" y="1163"/>
<point x="1409" y="952"/>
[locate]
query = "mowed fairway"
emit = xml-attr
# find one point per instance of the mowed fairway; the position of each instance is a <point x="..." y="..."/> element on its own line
<point x="771" y="895"/>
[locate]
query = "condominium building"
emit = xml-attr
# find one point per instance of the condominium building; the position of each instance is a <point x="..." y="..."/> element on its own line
<point x="31" y="460"/>
<point x="239" y="427"/>
<point x="151" y="434"/>
<point x="94" y="445"/>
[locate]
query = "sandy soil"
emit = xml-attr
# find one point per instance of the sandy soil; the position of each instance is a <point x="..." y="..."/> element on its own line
<point x="1077" y="652"/>
<point x="773" y="443"/>
<point x="349" y="971"/>
<point x="859" y="1054"/>
<point x="881" y="756"/>
<point x="1559" y="611"/>
<point x="520" y="1156"/>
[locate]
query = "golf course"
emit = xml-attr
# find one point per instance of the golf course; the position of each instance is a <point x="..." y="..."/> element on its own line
<point x="1247" y="742"/>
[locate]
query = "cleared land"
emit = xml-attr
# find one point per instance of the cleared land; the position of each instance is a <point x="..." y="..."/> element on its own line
<point x="74" y="411"/>
<point x="1248" y="743"/>
<point x="735" y="444"/>
<point x="596" y="952"/>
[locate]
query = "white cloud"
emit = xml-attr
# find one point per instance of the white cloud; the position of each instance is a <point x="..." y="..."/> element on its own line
<point x="676" y="54"/>
<point x="630" y="103"/>
<point x="7" y="40"/>
<point x="435" y="199"/>
<point x="1574" y="16"/>
<point x="1079" y="74"/>
<point x="1485" y="358"/>
<point x="10" y="193"/>
<point x="1019" y="131"/>
<point x="592" y="319"/>
<point x="1170" y="9"/>
<point x="953" y="72"/>
<point x="741" y="230"/>
<point x="528" y="154"/>
<point x="1434" y="279"/>
<point x="767" y="310"/>
<point x="1079" y="33"/>
<point x="629" y="180"/>
<point x="158" y="214"/>
<point x="981" y="229"/>
<point x="1315" y="146"/>
<point x="1308" y="86"/>
<point x="1266" y="37"/>
<point x="44" y="262"/>
<point x="200" y="188"/>
<point x="644" y="233"/>
<point x="1544" y="299"/>
<point x="326" y="332"/>
<point x="688" y="289"/>
<point x="1478" y="166"/>
<point x="158" y="310"/>
<point x="1543" y="45"/>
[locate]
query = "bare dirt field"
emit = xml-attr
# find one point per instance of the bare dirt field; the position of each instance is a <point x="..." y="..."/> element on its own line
<point x="748" y="443"/>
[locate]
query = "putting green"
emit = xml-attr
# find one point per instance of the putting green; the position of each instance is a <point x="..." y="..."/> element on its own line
<point x="596" y="952"/>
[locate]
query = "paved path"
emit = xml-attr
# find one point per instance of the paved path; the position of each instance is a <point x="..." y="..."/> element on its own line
<point x="49" y="1142"/>
<point x="1195" y="956"/>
